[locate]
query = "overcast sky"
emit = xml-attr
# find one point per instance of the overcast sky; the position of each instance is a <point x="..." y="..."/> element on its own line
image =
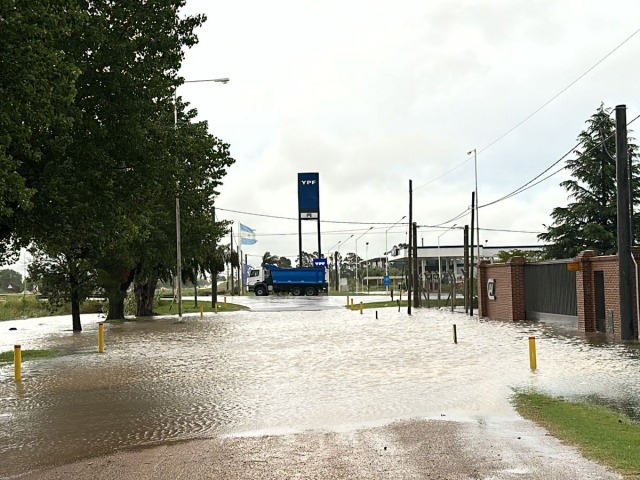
<point x="371" y="94"/>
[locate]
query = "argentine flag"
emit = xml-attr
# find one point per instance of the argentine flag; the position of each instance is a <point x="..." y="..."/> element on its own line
<point x="247" y="235"/>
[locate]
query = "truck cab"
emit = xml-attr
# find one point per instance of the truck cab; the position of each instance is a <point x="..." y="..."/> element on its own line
<point x="255" y="275"/>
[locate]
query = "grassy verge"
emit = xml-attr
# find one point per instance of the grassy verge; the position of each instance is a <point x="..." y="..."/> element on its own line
<point x="7" y="357"/>
<point x="394" y="303"/>
<point x="14" y="307"/>
<point x="601" y="434"/>
<point x="165" y="307"/>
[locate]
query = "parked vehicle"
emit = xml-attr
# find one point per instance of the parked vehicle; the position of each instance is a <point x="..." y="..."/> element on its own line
<point x="297" y="281"/>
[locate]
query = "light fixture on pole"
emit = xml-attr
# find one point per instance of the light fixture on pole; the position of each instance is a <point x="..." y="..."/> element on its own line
<point x="178" y="241"/>
<point x="338" y="260"/>
<point x="440" y="264"/>
<point x="475" y="168"/>
<point x="367" y="260"/>
<point x="386" y="248"/>
<point x="357" y="258"/>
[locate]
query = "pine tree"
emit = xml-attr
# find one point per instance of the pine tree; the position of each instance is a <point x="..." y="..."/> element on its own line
<point x="590" y="222"/>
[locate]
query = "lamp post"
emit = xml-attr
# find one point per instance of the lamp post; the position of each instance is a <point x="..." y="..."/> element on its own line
<point x="440" y="264"/>
<point x="357" y="260"/>
<point x="178" y="242"/>
<point x="367" y="260"/>
<point x="337" y="247"/>
<point x="386" y="248"/>
<point x="475" y="168"/>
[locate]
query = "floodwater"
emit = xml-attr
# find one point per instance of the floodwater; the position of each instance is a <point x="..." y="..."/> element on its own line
<point x="296" y="364"/>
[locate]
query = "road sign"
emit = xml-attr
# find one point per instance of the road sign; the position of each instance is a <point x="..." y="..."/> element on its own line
<point x="573" y="266"/>
<point x="385" y="281"/>
<point x="320" y="262"/>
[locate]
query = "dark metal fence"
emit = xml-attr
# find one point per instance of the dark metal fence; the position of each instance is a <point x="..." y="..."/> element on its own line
<point x="550" y="289"/>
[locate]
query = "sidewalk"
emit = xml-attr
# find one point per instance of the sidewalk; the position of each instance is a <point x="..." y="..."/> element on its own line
<point x="409" y="450"/>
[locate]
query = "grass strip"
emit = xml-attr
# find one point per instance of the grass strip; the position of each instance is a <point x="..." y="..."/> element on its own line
<point x="166" y="307"/>
<point x="15" y="307"/>
<point x="600" y="433"/>
<point x="7" y="357"/>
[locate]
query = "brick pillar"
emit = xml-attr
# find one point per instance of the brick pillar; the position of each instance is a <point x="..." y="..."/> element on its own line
<point x="585" y="292"/>
<point x="517" y="288"/>
<point x="483" y="276"/>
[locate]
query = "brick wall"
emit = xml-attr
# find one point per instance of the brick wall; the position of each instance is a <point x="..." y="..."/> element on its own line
<point x="509" y="290"/>
<point x="509" y="303"/>
<point x="585" y="287"/>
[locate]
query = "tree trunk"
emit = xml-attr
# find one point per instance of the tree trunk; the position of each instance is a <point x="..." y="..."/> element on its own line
<point x="75" y="312"/>
<point x="195" y="293"/>
<point x="214" y="289"/>
<point x="117" y="297"/>
<point x="145" y="294"/>
<point x="116" y="307"/>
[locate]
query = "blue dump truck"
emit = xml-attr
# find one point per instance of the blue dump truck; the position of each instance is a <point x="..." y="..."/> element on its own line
<point x="297" y="281"/>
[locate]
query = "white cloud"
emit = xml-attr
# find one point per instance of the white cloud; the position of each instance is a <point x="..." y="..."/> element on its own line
<point x="371" y="94"/>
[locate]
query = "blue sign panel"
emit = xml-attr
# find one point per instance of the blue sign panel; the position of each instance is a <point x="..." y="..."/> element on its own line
<point x="320" y="262"/>
<point x="308" y="195"/>
<point x="385" y="281"/>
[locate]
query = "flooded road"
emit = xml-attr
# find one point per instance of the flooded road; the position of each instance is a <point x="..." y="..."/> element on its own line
<point x="275" y="370"/>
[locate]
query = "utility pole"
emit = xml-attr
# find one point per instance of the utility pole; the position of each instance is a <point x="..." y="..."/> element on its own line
<point x="410" y="269"/>
<point x="624" y="237"/>
<point x="231" y="267"/>
<point x="473" y="204"/>
<point x="466" y="269"/>
<point x="416" y="277"/>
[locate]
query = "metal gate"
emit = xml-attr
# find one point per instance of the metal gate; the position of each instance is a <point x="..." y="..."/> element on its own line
<point x="550" y="292"/>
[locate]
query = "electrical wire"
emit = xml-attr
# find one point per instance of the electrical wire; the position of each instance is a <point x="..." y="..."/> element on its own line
<point x="528" y="117"/>
<point x="530" y="183"/>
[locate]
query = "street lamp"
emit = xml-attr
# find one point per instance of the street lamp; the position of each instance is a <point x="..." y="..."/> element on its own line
<point x="440" y="264"/>
<point x="475" y="167"/>
<point x="367" y="260"/>
<point x="178" y="242"/>
<point x="338" y="261"/>
<point x="386" y="248"/>
<point x="370" y="228"/>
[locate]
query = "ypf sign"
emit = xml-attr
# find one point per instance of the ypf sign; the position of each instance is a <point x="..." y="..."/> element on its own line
<point x="308" y="196"/>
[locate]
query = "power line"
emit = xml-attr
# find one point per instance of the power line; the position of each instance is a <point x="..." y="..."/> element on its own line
<point x="530" y="183"/>
<point x="528" y="117"/>
<point x="295" y="219"/>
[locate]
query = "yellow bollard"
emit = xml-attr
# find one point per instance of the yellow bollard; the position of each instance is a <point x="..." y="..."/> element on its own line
<point x="455" y="334"/>
<point x="17" y="362"/>
<point x="351" y="304"/>
<point x="201" y="312"/>
<point x="101" y="337"/>
<point x="532" y="353"/>
<point x="360" y="308"/>
<point x="215" y="307"/>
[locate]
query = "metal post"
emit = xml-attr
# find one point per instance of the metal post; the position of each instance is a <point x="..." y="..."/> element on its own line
<point x="466" y="269"/>
<point x="471" y="265"/>
<point x="416" y="286"/>
<point x="624" y="245"/>
<point x="411" y="239"/>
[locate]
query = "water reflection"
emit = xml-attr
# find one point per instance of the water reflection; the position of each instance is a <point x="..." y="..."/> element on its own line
<point x="275" y="371"/>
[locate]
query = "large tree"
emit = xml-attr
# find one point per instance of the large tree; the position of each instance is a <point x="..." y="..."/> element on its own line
<point x="107" y="200"/>
<point x="37" y="87"/>
<point x="589" y="220"/>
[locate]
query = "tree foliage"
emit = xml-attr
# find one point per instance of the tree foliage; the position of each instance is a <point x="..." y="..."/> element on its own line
<point x="589" y="220"/>
<point x="529" y="255"/>
<point x="96" y="182"/>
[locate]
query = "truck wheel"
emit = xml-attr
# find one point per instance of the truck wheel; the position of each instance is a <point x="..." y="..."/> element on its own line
<point x="296" y="291"/>
<point x="260" y="290"/>
<point x="310" y="291"/>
